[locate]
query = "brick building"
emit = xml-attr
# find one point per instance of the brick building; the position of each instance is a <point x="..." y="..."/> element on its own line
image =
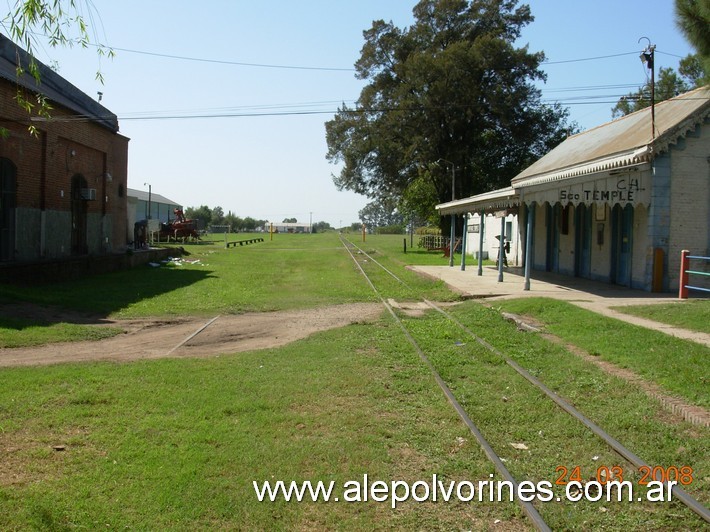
<point x="63" y="190"/>
<point x="616" y="203"/>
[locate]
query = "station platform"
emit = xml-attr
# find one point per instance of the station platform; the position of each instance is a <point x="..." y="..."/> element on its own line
<point x="591" y="295"/>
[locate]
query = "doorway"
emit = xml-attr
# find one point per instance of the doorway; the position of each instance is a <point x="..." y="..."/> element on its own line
<point x="554" y="220"/>
<point x="583" y="241"/>
<point x="622" y="222"/>
<point x="8" y="199"/>
<point x="78" y="216"/>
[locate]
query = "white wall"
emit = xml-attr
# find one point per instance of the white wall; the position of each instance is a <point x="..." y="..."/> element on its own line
<point x="491" y="228"/>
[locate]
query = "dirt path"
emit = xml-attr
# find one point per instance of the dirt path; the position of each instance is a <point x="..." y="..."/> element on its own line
<point x="146" y="339"/>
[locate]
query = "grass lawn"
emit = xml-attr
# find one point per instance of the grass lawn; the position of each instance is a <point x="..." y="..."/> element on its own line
<point x="680" y="366"/>
<point x="19" y="332"/>
<point x="693" y="314"/>
<point x="178" y="443"/>
<point x="393" y="247"/>
<point x="291" y="271"/>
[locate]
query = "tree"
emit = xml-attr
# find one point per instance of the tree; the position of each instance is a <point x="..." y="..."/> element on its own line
<point x="321" y="227"/>
<point x="451" y="86"/>
<point x="250" y="224"/>
<point x="232" y="220"/>
<point x="693" y="19"/>
<point x="203" y="214"/>
<point x="290" y="221"/>
<point x="691" y="68"/>
<point x="217" y="216"/>
<point x="381" y="213"/>
<point x="54" y="19"/>
<point x="669" y="84"/>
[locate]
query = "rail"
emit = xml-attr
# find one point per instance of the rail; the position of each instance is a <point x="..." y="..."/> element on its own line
<point x="537" y="521"/>
<point x="686" y="272"/>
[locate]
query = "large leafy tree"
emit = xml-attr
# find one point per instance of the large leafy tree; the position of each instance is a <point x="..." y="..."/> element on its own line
<point x="452" y="87"/>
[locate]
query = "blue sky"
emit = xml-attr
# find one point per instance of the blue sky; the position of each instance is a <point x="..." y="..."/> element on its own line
<point x="272" y="165"/>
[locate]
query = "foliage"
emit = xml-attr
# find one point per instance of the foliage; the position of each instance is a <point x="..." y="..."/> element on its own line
<point x="320" y="227"/>
<point x="668" y="85"/>
<point x="452" y="86"/>
<point x="394" y="229"/>
<point x="693" y="19"/>
<point x="290" y="221"/>
<point x="381" y="212"/>
<point x="215" y="216"/>
<point x="202" y="213"/>
<point x="54" y="19"/>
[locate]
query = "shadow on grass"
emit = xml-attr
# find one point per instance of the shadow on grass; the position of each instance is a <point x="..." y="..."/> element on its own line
<point x="90" y="300"/>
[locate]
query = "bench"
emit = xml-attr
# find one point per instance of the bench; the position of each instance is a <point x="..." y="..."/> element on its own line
<point x="244" y="242"/>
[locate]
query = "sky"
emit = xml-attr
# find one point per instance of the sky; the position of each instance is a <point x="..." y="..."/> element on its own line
<point x="225" y="101"/>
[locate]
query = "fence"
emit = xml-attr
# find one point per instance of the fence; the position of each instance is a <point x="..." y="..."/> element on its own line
<point x="686" y="272"/>
<point x="431" y="242"/>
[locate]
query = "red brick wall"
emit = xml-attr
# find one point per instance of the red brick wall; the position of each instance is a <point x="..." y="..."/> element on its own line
<point x="62" y="149"/>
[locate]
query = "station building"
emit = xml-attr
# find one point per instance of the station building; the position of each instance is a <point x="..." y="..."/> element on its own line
<point x="616" y="203"/>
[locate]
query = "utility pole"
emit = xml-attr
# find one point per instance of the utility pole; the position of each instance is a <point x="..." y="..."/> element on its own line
<point x="647" y="57"/>
<point x="148" y="216"/>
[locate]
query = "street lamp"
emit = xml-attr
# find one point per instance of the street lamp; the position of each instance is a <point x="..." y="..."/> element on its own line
<point x="149" y="192"/>
<point x="453" y="221"/>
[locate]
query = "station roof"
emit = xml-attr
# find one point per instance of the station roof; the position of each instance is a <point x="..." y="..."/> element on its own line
<point x="488" y="201"/>
<point x="623" y="143"/>
<point x="620" y="143"/>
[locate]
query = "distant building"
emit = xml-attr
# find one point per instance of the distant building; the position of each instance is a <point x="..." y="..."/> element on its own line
<point x="62" y="191"/>
<point x="286" y="227"/>
<point x="161" y="208"/>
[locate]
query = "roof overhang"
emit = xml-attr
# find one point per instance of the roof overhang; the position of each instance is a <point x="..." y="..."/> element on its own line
<point x="620" y="161"/>
<point x="495" y="200"/>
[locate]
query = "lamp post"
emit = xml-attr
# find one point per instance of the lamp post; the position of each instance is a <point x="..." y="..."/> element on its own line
<point x="149" y="193"/>
<point x="453" y="218"/>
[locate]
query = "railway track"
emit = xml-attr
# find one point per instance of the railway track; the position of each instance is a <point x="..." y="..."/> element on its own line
<point x="528" y="508"/>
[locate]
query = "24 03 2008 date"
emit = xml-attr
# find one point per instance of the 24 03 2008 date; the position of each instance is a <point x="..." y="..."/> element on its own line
<point x="682" y="475"/>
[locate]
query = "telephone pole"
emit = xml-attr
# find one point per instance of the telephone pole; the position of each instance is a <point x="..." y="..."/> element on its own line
<point x="647" y="57"/>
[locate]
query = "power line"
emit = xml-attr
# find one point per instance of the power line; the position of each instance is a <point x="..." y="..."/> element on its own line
<point x="587" y="59"/>
<point x="305" y="67"/>
<point x="223" y="61"/>
<point x="602" y="100"/>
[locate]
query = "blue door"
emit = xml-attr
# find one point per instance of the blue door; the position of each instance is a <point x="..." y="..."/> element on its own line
<point x="583" y="241"/>
<point x="554" y="218"/>
<point x="622" y="221"/>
